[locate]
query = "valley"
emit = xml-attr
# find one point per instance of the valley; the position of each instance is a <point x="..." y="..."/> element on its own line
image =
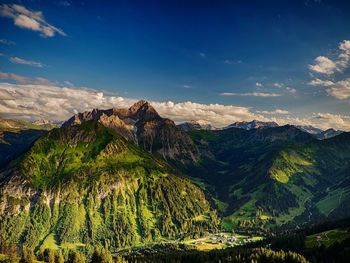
<point x="137" y="184"/>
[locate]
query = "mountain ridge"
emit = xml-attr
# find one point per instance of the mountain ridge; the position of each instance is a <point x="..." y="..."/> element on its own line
<point x="86" y="184"/>
<point x="260" y="178"/>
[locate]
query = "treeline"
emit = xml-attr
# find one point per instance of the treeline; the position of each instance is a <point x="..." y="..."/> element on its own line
<point x="11" y="254"/>
<point x="338" y="252"/>
<point x="232" y="255"/>
<point x="102" y="255"/>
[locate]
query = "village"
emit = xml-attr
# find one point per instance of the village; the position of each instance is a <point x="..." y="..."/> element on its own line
<point x="221" y="240"/>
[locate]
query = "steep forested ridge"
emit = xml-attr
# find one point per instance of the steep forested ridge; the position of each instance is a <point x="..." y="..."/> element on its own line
<point x="273" y="177"/>
<point x="85" y="184"/>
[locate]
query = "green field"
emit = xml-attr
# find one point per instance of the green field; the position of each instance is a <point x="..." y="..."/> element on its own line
<point x="51" y="243"/>
<point x="327" y="238"/>
<point x="332" y="200"/>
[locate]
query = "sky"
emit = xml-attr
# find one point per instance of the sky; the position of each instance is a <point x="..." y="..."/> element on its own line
<point x="213" y="61"/>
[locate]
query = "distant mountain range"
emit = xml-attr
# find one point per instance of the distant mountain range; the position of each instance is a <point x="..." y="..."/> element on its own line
<point x="251" y="125"/>
<point x="195" y="125"/>
<point x="255" y="124"/>
<point x="130" y="177"/>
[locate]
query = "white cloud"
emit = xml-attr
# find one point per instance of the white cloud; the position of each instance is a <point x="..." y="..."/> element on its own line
<point x="274" y="112"/>
<point x="203" y="55"/>
<point x="320" y="82"/>
<point x="323" y="65"/>
<point x="278" y="85"/>
<point x="187" y="86"/>
<point x="28" y="19"/>
<point x="327" y="66"/>
<point x="344" y="56"/>
<point x="49" y="101"/>
<point x="6" y="42"/>
<point x="328" y="120"/>
<point x="251" y="94"/>
<point x="59" y="103"/>
<point x="339" y="89"/>
<point x="291" y="90"/>
<point x="258" y="84"/>
<point x="22" y="61"/>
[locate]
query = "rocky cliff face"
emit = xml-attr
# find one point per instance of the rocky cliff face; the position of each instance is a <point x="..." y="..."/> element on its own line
<point x="142" y="125"/>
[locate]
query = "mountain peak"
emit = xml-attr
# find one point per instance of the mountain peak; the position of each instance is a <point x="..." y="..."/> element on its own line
<point x="143" y="109"/>
<point x="254" y="124"/>
<point x="141" y="104"/>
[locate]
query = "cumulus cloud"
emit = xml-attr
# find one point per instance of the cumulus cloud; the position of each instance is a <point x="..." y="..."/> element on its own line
<point x="6" y="42"/>
<point x="339" y="89"/>
<point x="258" y="84"/>
<point x="25" y="80"/>
<point x="328" y="120"/>
<point x="278" y="85"/>
<point x="320" y="82"/>
<point x="327" y="66"/>
<point x="28" y="19"/>
<point x="320" y="120"/>
<point x="274" y="112"/>
<point x="59" y="103"/>
<point x="323" y="65"/>
<point x="251" y="94"/>
<point x="17" y="60"/>
<point x="344" y="56"/>
<point x="34" y="101"/>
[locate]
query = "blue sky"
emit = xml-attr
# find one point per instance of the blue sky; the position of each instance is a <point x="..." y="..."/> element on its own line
<point x="252" y="54"/>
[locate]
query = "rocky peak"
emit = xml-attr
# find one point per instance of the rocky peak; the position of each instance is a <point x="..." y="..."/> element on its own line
<point x="143" y="110"/>
<point x="254" y="124"/>
<point x="142" y="125"/>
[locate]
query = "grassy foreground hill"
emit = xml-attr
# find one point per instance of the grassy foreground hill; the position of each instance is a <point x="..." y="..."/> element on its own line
<point x="85" y="185"/>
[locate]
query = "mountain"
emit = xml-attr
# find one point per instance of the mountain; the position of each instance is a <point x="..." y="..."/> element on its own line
<point x="17" y="136"/>
<point x="142" y="125"/>
<point x="251" y="125"/>
<point x="310" y="129"/>
<point x="328" y="134"/>
<point x="128" y="177"/>
<point x="319" y="133"/>
<point x="194" y="125"/>
<point x="92" y="182"/>
<point x="273" y="177"/>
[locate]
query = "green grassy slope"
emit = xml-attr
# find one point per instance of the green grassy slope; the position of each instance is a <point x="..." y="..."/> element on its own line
<point x="273" y="177"/>
<point x="17" y="136"/>
<point x="86" y="185"/>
